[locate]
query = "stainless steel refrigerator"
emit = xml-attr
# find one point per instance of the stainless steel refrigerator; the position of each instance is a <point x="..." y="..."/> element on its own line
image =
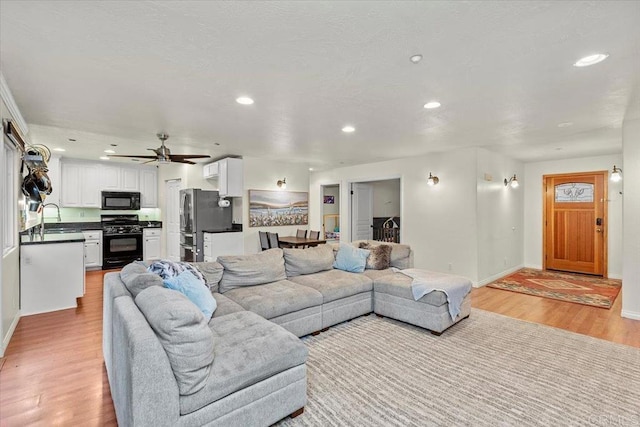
<point x="199" y="212"/>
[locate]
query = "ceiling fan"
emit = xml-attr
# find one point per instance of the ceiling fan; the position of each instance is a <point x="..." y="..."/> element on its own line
<point x="163" y="154"/>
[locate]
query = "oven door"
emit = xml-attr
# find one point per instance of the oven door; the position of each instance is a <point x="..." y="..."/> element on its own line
<point x="121" y="249"/>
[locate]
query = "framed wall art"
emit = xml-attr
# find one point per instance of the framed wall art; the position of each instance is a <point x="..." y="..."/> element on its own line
<point x="278" y="208"/>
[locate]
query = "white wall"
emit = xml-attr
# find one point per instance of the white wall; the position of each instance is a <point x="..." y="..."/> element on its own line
<point x="533" y="207"/>
<point x="263" y="175"/>
<point x="500" y="216"/>
<point x="631" y="219"/>
<point x="386" y="198"/>
<point x="438" y="222"/>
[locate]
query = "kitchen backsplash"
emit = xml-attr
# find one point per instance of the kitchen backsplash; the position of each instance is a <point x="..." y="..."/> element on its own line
<point x="93" y="215"/>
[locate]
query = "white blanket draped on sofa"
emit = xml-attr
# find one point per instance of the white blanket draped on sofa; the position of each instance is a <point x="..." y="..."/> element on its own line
<point x="424" y="282"/>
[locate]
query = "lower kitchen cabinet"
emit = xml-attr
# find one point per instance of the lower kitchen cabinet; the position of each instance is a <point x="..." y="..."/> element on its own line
<point x="151" y="243"/>
<point x="92" y="249"/>
<point x="216" y="244"/>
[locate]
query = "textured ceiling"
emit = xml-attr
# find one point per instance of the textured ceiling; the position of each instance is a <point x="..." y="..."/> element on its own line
<point x="122" y="71"/>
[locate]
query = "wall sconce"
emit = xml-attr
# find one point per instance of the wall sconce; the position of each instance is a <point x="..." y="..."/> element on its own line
<point x="282" y="183"/>
<point x="616" y="174"/>
<point x="432" y="180"/>
<point x="513" y="181"/>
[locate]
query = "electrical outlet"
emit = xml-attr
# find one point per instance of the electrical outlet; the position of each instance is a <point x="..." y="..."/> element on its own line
<point x="81" y="214"/>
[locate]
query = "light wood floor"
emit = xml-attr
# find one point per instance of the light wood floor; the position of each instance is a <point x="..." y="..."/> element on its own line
<point x="53" y="372"/>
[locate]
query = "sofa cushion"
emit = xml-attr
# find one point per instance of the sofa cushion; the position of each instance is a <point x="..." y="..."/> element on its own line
<point x="380" y="256"/>
<point x="197" y="292"/>
<point x="308" y="261"/>
<point x="335" y="284"/>
<point x="399" y="285"/>
<point x="351" y="259"/>
<point x="211" y="273"/>
<point x="136" y="278"/>
<point x="249" y="270"/>
<point x="376" y="274"/>
<point x="225" y="306"/>
<point x="183" y="332"/>
<point x="275" y="299"/>
<point x="248" y="349"/>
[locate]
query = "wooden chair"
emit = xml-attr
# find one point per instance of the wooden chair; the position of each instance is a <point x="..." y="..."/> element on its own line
<point x="301" y="233"/>
<point x="264" y="240"/>
<point x="273" y="240"/>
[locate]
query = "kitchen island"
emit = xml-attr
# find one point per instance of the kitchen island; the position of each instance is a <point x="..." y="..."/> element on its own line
<point x="51" y="272"/>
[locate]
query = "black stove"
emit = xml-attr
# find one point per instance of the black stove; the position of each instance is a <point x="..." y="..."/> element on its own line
<point x="122" y="240"/>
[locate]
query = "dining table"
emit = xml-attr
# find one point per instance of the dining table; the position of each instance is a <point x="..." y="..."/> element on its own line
<point x="296" y="242"/>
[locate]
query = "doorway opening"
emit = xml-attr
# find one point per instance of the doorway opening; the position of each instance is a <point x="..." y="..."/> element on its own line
<point x="331" y="212"/>
<point x="575" y="222"/>
<point x="376" y="210"/>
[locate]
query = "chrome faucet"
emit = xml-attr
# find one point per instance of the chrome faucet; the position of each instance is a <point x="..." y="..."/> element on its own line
<point x="42" y="218"/>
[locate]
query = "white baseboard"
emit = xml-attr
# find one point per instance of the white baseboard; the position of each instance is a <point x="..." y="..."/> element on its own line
<point x="630" y="314"/>
<point x="7" y="338"/>
<point x="497" y="276"/>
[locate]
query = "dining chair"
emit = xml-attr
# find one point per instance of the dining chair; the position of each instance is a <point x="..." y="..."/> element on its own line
<point x="264" y="240"/>
<point x="301" y="233"/>
<point x="313" y="235"/>
<point x="273" y="240"/>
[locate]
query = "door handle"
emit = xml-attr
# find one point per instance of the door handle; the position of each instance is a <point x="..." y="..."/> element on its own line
<point x="599" y="230"/>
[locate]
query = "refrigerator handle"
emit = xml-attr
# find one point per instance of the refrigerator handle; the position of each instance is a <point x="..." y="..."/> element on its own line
<point x="183" y="221"/>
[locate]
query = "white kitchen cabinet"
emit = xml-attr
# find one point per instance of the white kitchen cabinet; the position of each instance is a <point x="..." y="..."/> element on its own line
<point x="51" y="276"/>
<point x="229" y="173"/>
<point x="149" y="187"/>
<point x="92" y="249"/>
<point x="80" y="185"/>
<point x="119" y="178"/>
<point x="217" y="244"/>
<point x="151" y="243"/>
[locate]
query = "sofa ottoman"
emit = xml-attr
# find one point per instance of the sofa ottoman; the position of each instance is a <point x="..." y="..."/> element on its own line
<point x="296" y="308"/>
<point x="392" y="297"/>
<point x="344" y="295"/>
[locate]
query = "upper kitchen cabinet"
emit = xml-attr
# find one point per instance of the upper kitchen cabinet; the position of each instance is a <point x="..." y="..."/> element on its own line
<point x="80" y="185"/>
<point x="120" y="178"/>
<point x="149" y="187"/>
<point x="228" y="172"/>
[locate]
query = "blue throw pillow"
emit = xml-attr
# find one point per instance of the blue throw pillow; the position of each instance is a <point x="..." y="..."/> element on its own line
<point x="350" y="258"/>
<point x="192" y="288"/>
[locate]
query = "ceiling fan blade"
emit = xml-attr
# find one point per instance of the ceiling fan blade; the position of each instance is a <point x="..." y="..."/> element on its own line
<point x="182" y="161"/>
<point x="149" y="161"/>
<point x="189" y="156"/>
<point x="136" y="157"/>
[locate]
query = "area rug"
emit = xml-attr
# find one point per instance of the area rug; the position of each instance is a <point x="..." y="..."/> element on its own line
<point x="577" y="288"/>
<point x="488" y="370"/>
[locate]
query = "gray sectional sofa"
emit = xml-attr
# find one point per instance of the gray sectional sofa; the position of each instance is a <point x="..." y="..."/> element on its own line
<point x="161" y="373"/>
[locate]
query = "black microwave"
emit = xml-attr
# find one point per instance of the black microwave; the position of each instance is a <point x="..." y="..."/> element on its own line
<point x="120" y="200"/>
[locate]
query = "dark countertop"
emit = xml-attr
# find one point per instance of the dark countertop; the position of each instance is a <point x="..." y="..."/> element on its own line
<point x="150" y="224"/>
<point x="222" y="231"/>
<point x="25" y="239"/>
<point x="73" y="226"/>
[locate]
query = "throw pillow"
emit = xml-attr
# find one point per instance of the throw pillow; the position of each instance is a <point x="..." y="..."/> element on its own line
<point x="380" y="256"/>
<point x="351" y="259"/>
<point x="249" y="270"/>
<point x="308" y="261"/>
<point x="184" y="334"/>
<point x="189" y="285"/>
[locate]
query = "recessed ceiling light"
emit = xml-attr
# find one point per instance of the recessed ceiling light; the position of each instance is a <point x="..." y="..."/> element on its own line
<point x="565" y="124"/>
<point x="416" y="58"/>
<point x="109" y="151"/>
<point x="431" y="105"/>
<point x="590" y="60"/>
<point x="244" y="100"/>
<point x="104" y="158"/>
<point x="348" y="129"/>
<point x="59" y="149"/>
<point x="310" y="169"/>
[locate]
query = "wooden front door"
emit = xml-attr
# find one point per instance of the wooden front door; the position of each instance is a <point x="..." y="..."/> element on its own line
<point x="575" y="222"/>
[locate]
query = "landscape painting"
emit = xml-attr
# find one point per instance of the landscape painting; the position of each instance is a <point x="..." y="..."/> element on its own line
<point x="276" y="208"/>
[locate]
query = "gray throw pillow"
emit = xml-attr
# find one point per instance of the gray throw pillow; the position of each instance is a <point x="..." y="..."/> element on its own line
<point x="211" y="272"/>
<point x="379" y="257"/>
<point x="184" y="334"/>
<point x="136" y="278"/>
<point x="249" y="270"/>
<point x="308" y="261"/>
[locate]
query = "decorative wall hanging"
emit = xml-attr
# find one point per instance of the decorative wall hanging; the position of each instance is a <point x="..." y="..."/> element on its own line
<point x="278" y="208"/>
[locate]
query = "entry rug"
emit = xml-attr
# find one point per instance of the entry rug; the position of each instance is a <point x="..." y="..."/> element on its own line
<point x="577" y="288"/>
